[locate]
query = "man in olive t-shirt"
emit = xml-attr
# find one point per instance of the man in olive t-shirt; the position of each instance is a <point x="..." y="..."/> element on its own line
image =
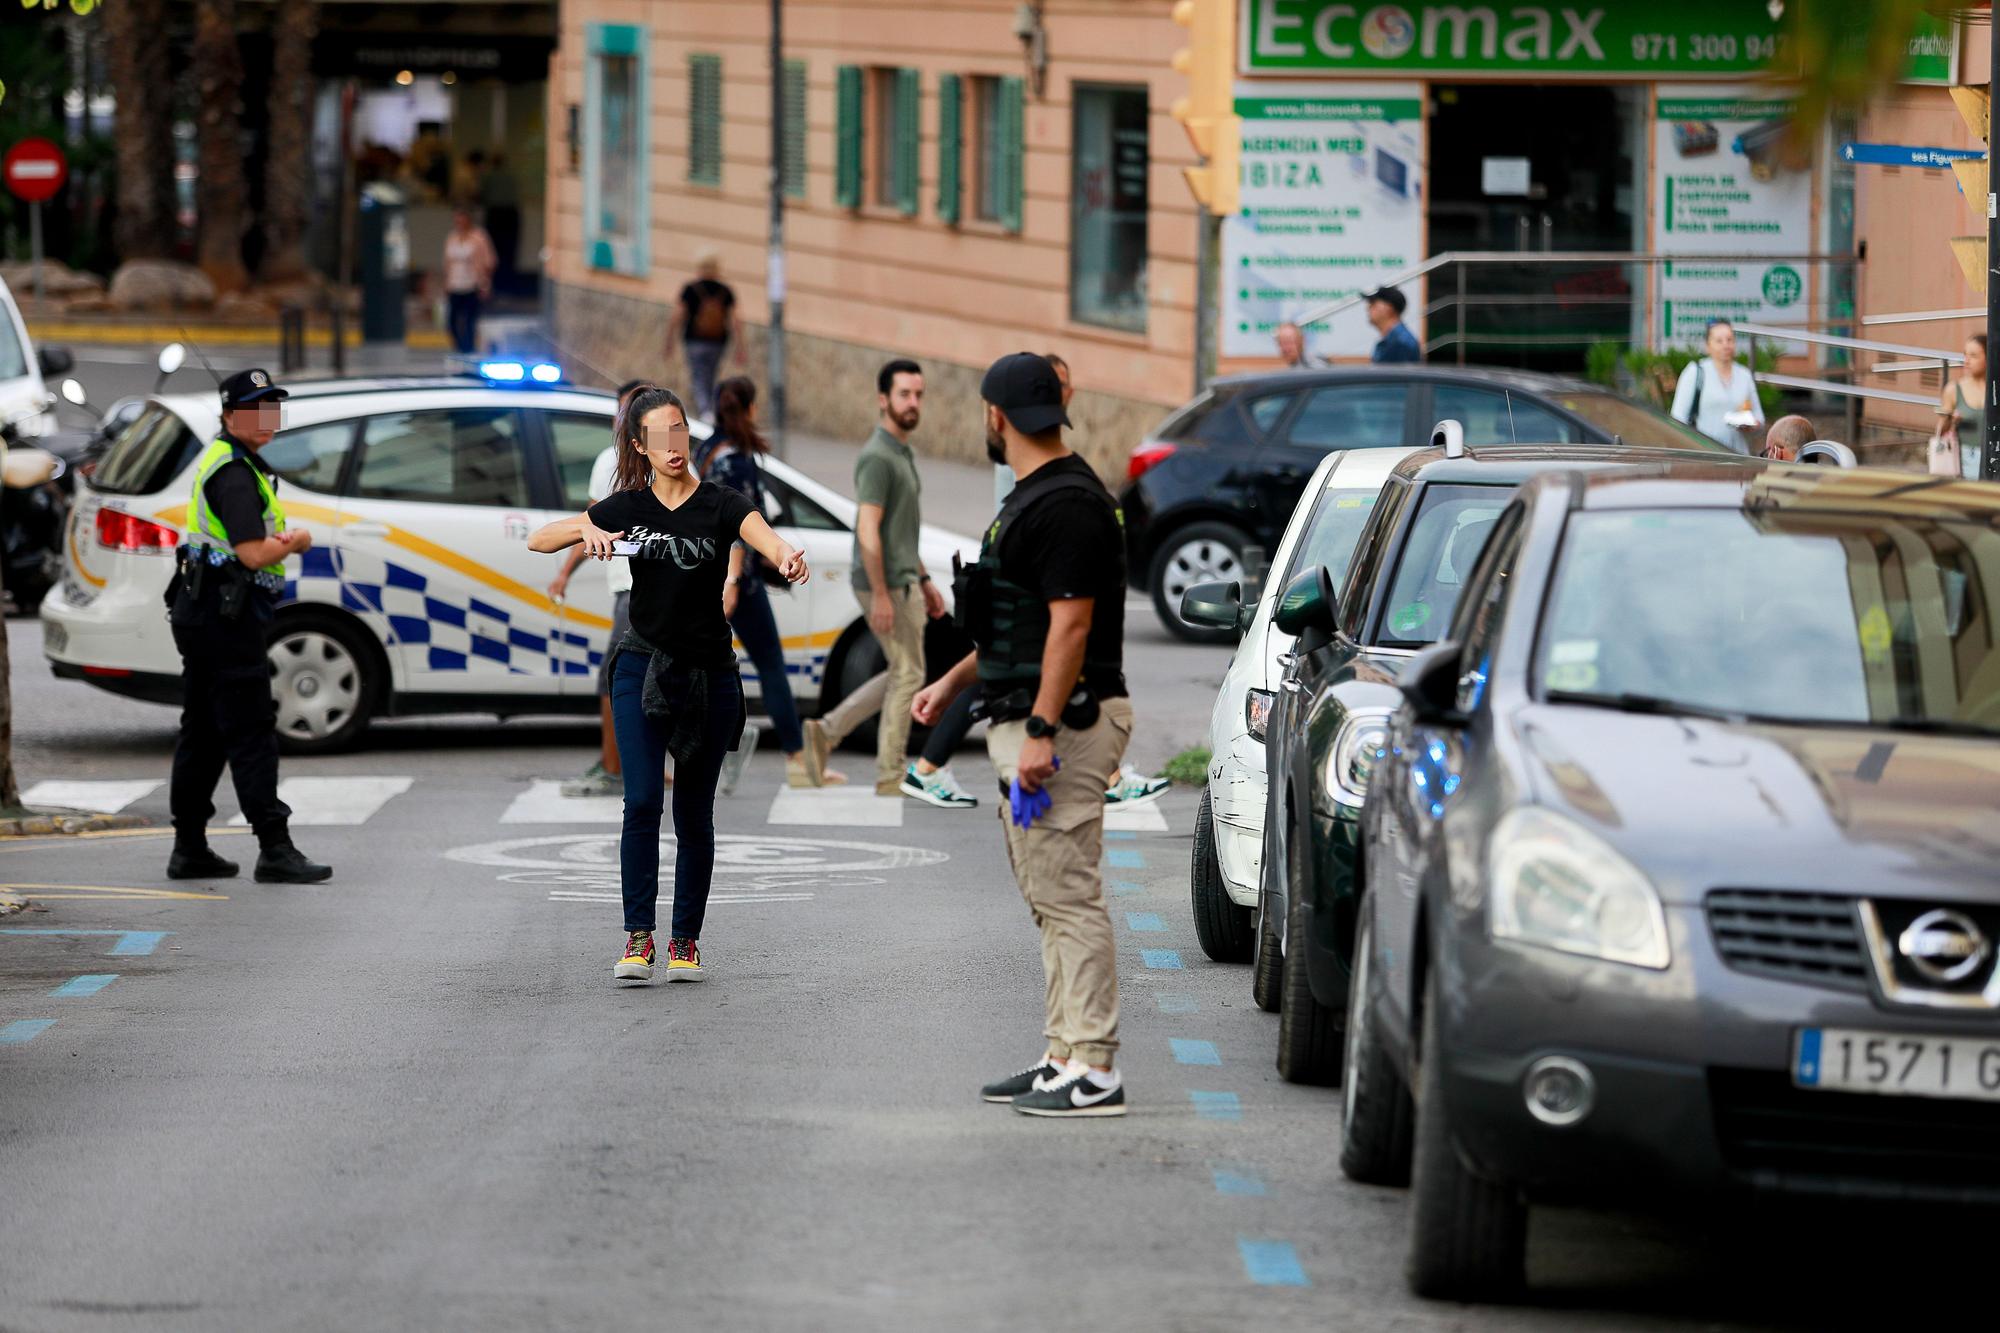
<point x="889" y="580"/>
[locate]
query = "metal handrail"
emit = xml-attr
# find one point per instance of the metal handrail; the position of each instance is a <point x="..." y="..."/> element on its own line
<point x="1852" y="344"/>
<point x="1926" y="316"/>
<point x="1849" y="390"/>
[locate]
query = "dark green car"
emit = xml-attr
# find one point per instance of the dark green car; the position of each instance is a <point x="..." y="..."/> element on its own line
<point x="1330" y="717"/>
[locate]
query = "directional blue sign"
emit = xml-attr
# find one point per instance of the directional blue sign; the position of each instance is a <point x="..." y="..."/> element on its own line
<point x="1904" y="155"/>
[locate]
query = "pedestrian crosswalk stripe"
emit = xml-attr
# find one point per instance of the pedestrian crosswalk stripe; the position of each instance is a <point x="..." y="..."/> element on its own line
<point x="835" y="807"/>
<point x="99" y="796"/>
<point x="326" y="802"/>
<point x="1135" y="819"/>
<point x="544" y="803"/>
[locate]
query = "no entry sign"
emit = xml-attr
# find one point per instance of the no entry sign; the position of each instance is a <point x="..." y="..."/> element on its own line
<point x="34" y="170"/>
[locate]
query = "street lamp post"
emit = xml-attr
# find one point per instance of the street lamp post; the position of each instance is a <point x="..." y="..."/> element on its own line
<point x="775" y="266"/>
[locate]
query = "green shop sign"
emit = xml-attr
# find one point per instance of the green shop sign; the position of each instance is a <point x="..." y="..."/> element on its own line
<point x="1689" y="39"/>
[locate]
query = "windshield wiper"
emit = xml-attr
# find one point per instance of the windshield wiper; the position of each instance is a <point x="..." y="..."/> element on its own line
<point x="1626" y="701"/>
<point x="1931" y="726"/>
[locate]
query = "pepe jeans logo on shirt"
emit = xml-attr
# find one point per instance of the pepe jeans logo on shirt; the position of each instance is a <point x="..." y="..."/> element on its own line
<point x="687" y="552"/>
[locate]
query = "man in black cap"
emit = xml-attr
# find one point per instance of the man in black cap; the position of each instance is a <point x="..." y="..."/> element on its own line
<point x="1046" y="605"/>
<point x="228" y="576"/>
<point x="1385" y="311"/>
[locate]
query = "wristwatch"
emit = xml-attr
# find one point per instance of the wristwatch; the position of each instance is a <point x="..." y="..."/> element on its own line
<point x="1040" y="728"/>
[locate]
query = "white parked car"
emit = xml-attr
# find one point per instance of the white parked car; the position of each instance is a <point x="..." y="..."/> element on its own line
<point x="1229" y="824"/>
<point x="25" y="399"/>
<point x="419" y="594"/>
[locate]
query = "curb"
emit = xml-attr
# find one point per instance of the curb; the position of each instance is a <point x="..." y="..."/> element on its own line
<point x="40" y="824"/>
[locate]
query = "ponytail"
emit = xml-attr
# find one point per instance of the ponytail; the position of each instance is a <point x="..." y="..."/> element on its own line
<point x="733" y="398"/>
<point x="634" y="472"/>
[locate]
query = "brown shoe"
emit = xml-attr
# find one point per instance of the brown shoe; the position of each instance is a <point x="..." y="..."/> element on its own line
<point x="799" y="771"/>
<point x="889" y="787"/>
<point x="818" y="746"/>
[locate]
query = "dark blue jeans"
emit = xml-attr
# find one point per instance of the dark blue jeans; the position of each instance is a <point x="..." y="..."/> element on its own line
<point x="642" y="753"/>
<point x="758" y="628"/>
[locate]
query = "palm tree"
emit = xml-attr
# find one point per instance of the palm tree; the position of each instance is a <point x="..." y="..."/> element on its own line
<point x="144" y="140"/>
<point x="287" y="166"/>
<point x="218" y="77"/>
<point x="1846" y="51"/>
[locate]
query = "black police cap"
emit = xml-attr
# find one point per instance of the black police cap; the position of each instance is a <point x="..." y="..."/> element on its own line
<point x="250" y="386"/>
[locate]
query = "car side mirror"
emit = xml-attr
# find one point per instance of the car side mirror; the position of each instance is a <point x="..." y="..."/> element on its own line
<point x="1308" y="603"/>
<point x="73" y="394"/>
<point x="1430" y="683"/>
<point x="1828" y="453"/>
<point x="1214" y="606"/>
<point x="172" y="356"/>
<point x="54" y="361"/>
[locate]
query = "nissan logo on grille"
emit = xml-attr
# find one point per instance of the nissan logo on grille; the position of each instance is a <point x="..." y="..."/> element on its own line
<point x="1944" y="945"/>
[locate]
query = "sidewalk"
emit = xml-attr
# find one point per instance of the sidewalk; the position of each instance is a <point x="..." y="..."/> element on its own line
<point x="957" y="496"/>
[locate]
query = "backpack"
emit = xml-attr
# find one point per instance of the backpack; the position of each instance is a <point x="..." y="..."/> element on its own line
<point x="711" y="318"/>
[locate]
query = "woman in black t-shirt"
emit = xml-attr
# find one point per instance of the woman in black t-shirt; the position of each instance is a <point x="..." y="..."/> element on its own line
<point x="674" y="686"/>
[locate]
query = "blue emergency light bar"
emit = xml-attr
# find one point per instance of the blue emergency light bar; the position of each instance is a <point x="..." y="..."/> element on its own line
<point x="514" y="372"/>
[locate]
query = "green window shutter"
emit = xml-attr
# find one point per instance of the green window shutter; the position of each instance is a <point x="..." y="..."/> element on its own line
<point x="951" y="145"/>
<point x="794" y="93"/>
<point x="1011" y="154"/>
<point x="908" y="92"/>
<point x="847" y="134"/>
<point x="705" y="119"/>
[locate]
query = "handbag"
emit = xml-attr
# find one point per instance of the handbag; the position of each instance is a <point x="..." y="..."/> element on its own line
<point x="770" y="574"/>
<point x="1941" y="453"/>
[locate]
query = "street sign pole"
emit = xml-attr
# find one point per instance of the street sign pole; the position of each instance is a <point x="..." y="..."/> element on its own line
<point x="35" y="244"/>
<point x="774" y="370"/>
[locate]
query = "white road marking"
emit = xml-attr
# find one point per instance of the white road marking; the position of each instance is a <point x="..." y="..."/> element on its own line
<point x="321" y="802"/>
<point x="713" y="898"/>
<point x="835" y="807"/>
<point x="544" y="803"/>
<point x="101" y="797"/>
<point x="1136" y="819"/>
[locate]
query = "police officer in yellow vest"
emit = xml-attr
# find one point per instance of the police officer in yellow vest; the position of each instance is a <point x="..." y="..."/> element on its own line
<point x="229" y="575"/>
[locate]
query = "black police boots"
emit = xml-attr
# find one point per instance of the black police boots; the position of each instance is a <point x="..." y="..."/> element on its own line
<point x="282" y="863"/>
<point x="199" y="863"/>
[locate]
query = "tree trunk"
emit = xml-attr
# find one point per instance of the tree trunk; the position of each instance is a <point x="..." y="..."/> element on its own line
<point x="218" y="77"/>
<point x="144" y="132"/>
<point x="10" y="789"/>
<point x="288" y="184"/>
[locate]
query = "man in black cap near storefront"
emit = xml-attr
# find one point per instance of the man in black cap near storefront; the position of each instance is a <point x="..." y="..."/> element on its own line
<point x="1385" y="312"/>
<point x="228" y="577"/>
<point x="1046" y="605"/>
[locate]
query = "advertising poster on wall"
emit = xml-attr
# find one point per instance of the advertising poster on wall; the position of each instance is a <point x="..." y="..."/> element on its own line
<point x="1332" y="204"/>
<point x="1726" y="182"/>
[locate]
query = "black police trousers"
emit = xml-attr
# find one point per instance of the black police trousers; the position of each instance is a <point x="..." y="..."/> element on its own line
<point x="227" y="717"/>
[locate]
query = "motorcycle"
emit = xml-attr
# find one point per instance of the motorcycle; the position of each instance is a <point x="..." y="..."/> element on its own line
<point x="34" y="509"/>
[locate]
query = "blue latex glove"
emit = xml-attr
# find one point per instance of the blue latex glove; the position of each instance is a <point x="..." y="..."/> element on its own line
<point x="1029" y="806"/>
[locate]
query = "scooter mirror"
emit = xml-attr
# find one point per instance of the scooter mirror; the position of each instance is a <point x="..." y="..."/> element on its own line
<point x="73" y="392"/>
<point x="172" y="356"/>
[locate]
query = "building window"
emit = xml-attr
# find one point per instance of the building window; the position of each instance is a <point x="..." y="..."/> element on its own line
<point x="1107" y="250"/>
<point x="996" y="151"/>
<point x="705" y="119"/>
<point x="793" y="92"/>
<point x="615" y="195"/>
<point x="896" y="139"/>
<point x="951" y="146"/>
<point x="847" y="136"/>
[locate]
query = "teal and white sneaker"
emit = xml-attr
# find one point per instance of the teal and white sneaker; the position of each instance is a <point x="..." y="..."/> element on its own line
<point x="1131" y="787"/>
<point x="595" y="782"/>
<point x="940" y="789"/>
<point x="734" y="762"/>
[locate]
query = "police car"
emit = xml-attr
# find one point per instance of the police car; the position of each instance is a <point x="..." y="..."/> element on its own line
<point x="419" y="594"/>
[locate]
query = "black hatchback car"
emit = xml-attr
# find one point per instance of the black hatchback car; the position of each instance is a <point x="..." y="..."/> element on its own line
<point x="1224" y="473"/>
<point x="1678" y="860"/>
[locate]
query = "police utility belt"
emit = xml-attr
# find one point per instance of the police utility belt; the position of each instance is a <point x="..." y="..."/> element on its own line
<point x="200" y="568"/>
<point x="1011" y="625"/>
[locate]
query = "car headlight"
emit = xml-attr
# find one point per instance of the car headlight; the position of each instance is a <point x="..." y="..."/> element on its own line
<point x="1555" y="884"/>
<point x="1257" y="712"/>
<point x="1362" y="741"/>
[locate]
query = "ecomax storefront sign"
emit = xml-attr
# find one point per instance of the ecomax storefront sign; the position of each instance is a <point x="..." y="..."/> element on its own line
<point x="1684" y="39"/>
<point x="1332" y="204"/>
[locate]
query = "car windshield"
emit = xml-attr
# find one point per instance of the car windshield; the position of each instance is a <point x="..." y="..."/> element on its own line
<point x="13" y="356"/>
<point x="1856" y="619"/>
<point x="1452" y="524"/>
<point x="1636" y="423"/>
<point x="146" y="455"/>
<point x="1334" y="529"/>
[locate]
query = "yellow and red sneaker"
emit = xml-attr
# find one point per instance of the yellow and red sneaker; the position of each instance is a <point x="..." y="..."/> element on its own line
<point x="683" y="960"/>
<point x="637" y="964"/>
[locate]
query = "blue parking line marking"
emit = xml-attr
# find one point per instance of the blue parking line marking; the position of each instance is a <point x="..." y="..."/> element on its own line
<point x="1146" y="921"/>
<point x="84" y="985"/>
<point x="1216" y="1105"/>
<point x="1120" y="859"/>
<point x="1173" y="1002"/>
<point x="1272" y="1263"/>
<point x="1238" y="1183"/>
<point x="1167" y="959"/>
<point x="1120" y="888"/>
<point x="1188" y="1051"/>
<point x="24" y="1029"/>
<point x="131" y="943"/>
<point x="1120" y="835"/>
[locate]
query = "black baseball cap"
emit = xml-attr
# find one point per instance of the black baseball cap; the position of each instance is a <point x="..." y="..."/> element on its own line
<point x="250" y="386"/>
<point x="1023" y="385"/>
<point x="1393" y="295"/>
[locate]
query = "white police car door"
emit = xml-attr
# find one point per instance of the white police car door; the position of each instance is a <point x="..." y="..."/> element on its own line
<point x="577" y="438"/>
<point x="440" y="518"/>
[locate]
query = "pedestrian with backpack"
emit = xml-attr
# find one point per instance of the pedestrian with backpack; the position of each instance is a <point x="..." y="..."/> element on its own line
<point x="1717" y="395"/>
<point x="706" y="323"/>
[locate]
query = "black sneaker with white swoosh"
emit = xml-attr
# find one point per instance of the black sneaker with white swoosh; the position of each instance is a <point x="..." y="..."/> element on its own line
<point x="1012" y="1086"/>
<point x="1079" y="1093"/>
